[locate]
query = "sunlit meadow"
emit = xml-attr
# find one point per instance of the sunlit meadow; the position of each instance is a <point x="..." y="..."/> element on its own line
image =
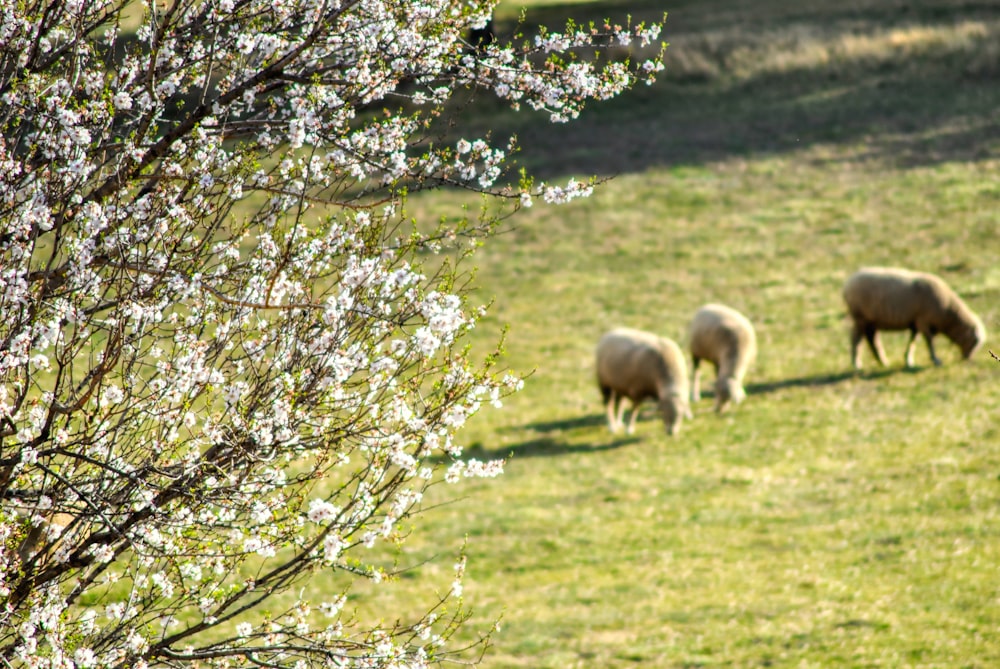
<point x="833" y="519"/>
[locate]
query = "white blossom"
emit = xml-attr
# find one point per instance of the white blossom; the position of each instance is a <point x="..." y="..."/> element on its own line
<point x="332" y="547"/>
<point x="321" y="511"/>
<point x="225" y="348"/>
<point x="84" y="658"/>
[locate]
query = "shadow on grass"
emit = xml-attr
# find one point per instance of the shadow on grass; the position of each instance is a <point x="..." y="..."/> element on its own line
<point x="550" y="441"/>
<point x="884" y="89"/>
<point x="592" y="420"/>
<point x="546" y="439"/>
<point x="545" y="446"/>
<point x="817" y="380"/>
<point x="820" y="380"/>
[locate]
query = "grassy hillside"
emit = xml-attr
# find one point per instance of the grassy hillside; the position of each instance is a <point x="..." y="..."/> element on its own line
<point x="834" y="518"/>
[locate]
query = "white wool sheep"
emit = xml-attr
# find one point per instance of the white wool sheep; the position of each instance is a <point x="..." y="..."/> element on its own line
<point x="889" y="298"/>
<point x="726" y="338"/>
<point x="639" y="365"/>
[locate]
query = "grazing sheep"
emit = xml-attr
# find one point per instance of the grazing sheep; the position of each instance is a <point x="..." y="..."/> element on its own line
<point x="886" y="298"/>
<point x="640" y="365"/>
<point x="724" y="337"/>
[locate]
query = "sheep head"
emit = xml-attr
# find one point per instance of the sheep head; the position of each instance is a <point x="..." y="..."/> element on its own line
<point x="674" y="408"/>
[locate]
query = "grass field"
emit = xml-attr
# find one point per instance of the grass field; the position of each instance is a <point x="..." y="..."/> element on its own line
<point x="833" y="519"/>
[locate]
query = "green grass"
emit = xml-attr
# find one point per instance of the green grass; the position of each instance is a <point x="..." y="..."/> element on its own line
<point x="833" y="519"/>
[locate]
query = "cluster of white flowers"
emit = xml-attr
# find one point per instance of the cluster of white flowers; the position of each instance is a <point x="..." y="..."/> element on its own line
<point x="563" y="194"/>
<point x="321" y="511"/>
<point x="178" y="375"/>
<point x="563" y="91"/>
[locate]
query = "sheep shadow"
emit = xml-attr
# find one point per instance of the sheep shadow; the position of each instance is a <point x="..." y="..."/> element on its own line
<point x="821" y="380"/>
<point x="813" y="381"/>
<point x="544" y="439"/>
<point x="544" y="446"/>
<point x="548" y="439"/>
<point x="592" y="420"/>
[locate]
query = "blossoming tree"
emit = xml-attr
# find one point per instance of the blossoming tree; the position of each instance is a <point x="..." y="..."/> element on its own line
<point x="223" y="364"/>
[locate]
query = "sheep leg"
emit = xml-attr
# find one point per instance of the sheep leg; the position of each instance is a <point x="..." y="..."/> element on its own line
<point x="910" y="345"/>
<point x="721" y="396"/>
<point x="695" y="378"/>
<point x="611" y="402"/>
<point x="635" y="414"/>
<point x="621" y="411"/>
<point x="875" y="344"/>
<point x="929" y="337"/>
<point x="857" y="334"/>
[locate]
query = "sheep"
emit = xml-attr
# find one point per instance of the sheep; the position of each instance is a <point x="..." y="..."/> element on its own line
<point x="639" y="365"/>
<point x="890" y="298"/>
<point x="724" y="337"/>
